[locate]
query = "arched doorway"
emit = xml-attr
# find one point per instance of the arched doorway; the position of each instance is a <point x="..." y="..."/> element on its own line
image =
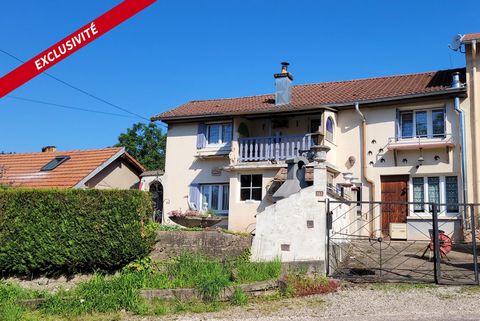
<point x="156" y="188"/>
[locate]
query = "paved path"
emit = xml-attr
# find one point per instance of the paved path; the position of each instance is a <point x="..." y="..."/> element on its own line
<point x="358" y="303"/>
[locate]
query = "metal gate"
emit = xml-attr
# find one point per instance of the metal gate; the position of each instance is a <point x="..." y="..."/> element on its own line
<point x="437" y="244"/>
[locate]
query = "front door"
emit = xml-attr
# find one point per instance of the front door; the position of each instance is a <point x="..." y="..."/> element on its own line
<point x="394" y="189"/>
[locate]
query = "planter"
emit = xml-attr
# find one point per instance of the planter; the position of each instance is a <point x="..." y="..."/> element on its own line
<point x="195" y="221"/>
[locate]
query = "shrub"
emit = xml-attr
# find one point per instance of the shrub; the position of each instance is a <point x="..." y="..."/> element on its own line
<point x="68" y="231"/>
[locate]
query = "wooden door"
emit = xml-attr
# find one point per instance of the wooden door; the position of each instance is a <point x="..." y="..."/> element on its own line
<point x="394" y="189"/>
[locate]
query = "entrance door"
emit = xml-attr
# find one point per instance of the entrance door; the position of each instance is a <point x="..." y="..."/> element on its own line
<point x="394" y="189"/>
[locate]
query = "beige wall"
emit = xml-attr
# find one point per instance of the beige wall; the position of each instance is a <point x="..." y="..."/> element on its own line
<point x="116" y="175"/>
<point x="471" y="106"/>
<point x="242" y="213"/>
<point x="183" y="168"/>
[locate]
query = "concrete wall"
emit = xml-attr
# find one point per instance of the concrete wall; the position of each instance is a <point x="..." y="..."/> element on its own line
<point x="214" y="244"/>
<point x="291" y="230"/>
<point x="118" y="174"/>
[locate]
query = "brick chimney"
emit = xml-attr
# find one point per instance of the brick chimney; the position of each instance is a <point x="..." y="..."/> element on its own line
<point x="49" y="149"/>
<point x="283" y="86"/>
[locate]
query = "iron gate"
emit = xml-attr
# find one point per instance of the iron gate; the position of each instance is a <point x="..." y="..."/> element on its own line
<point x="433" y="246"/>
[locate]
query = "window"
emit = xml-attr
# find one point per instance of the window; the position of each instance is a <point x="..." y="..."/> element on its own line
<point x="215" y="197"/>
<point x="451" y="190"/>
<point x="418" y="194"/>
<point x="218" y="134"/>
<point x="422" y="123"/>
<point x="250" y="187"/>
<point x="437" y="189"/>
<point x="55" y="163"/>
<point x="433" y="191"/>
<point x="329" y="129"/>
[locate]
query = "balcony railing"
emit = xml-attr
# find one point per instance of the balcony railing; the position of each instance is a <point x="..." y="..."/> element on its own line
<point x="273" y="147"/>
<point x="424" y="142"/>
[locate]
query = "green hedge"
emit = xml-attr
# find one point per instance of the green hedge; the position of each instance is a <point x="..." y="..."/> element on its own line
<point x="69" y="231"/>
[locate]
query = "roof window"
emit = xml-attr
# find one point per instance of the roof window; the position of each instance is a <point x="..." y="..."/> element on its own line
<point x="54" y="163"/>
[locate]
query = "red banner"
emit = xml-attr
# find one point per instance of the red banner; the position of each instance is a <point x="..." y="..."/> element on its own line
<point x="71" y="44"/>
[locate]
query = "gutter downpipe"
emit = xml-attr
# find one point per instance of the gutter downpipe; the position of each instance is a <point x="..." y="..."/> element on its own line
<point x="363" y="135"/>
<point x="461" y="115"/>
<point x="473" y="115"/>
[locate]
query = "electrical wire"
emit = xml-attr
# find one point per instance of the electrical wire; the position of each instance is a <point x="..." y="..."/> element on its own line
<point x="83" y="91"/>
<point x="67" y="107"/>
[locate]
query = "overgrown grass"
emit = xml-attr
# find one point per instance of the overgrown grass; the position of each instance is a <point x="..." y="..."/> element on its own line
<point x="109" y="294"/>
<point x="299" y="284"/>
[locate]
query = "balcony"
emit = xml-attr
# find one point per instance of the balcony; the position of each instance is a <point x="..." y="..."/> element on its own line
<point x="423" y="142"/>
<point x="273" y="148"/>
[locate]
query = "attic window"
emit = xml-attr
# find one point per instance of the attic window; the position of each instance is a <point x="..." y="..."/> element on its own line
<point x="54" y="163"/>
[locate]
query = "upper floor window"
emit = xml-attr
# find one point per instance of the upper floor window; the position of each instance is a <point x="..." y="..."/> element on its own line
<point x="219" y="134"/>
<point x="329" y="126"/>
<point x="422" y="124"/>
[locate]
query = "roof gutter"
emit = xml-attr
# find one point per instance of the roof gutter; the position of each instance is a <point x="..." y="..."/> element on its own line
<point x="333" y="106"/>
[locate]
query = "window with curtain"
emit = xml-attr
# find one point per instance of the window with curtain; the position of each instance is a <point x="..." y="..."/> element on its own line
<point x="218" y="134"/>
<point x="418" y="194"/>
<point x="451" y="190"/>
<point x="329" y="129"/>
<point x="215" y="197"/>
<point x="433" y="191"/>
<point x="421" y="124"/>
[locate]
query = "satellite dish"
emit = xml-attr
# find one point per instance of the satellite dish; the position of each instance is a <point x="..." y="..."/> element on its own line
<point x="456" y="42"/>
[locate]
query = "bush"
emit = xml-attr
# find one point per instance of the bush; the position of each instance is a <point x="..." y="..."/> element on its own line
<point x="68" y="231"/>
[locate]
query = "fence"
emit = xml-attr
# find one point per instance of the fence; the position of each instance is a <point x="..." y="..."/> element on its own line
<point x="430" y="246"/>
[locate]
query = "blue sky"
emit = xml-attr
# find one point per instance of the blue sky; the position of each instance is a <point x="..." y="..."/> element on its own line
<point x="176" y="51"/>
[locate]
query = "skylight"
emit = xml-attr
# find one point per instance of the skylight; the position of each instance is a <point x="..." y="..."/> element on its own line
<point x="55" y="163"/>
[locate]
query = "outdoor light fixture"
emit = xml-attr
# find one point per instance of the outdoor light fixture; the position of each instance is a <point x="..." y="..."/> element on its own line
<point x="421" y="159"/>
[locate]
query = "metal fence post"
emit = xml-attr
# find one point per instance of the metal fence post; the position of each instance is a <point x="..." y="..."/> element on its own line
<point x="436" y="245"/>
<point x="474" y="242"/>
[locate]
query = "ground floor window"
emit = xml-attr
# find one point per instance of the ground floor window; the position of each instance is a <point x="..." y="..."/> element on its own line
<point x="215" y="197"/>
<point x="436" y="189"/>
<point x="250" y="187"/>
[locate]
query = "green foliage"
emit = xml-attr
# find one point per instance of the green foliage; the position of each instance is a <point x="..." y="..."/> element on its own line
<point x="67" y="231"/>
<point x="245" y="271"/>
<point x="239" y="297"/>
<point x="139" y="265"/>
<point x="210" y="212"/>
<point x="146" y="143"/>
<point x="10" y="310"/>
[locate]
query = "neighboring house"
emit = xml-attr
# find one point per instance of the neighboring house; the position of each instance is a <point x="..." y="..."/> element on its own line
<point x="152" y="181"/>
<point x="400" y="138"/>
<point x="97" y="168"/>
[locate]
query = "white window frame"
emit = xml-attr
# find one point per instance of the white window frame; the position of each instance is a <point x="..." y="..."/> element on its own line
<point x="429" y="124"/>
<point x="220" y="197"/>
<point x="443" y="195"/>
<point x="222" y="141"/>
<point x="250" y="200"/>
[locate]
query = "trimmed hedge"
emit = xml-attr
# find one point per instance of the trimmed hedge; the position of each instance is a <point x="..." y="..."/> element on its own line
<point x="69" y="231"/>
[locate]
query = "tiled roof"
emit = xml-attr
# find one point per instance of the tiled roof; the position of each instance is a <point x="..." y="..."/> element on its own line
<point x="322" y="94"/>
<point x="471" y="36"/>
<point x="23" y="170"/>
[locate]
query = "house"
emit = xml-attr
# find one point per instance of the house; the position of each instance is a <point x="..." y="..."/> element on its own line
<point x="96" y="168"/>
<point x="398" y="138"/>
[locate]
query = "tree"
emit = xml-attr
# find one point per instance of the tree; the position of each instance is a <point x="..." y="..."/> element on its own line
<point x="146" y="143"/>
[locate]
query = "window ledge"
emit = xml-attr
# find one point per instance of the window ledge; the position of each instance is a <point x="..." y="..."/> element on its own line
<point x="210" y="151"/>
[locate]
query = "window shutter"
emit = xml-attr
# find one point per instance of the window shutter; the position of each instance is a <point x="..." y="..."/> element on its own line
<point x="201" y="139"/>
<point x="398" y="129"/>
<point x="194" y="196"/>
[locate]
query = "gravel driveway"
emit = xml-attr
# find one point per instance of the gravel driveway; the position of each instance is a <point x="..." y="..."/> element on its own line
<point x="359" y="303"/>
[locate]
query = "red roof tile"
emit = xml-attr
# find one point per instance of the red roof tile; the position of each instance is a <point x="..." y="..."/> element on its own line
<point x="471" y="36"/>
<point x="322" y="94"/>
<point x="24" y="169"/>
